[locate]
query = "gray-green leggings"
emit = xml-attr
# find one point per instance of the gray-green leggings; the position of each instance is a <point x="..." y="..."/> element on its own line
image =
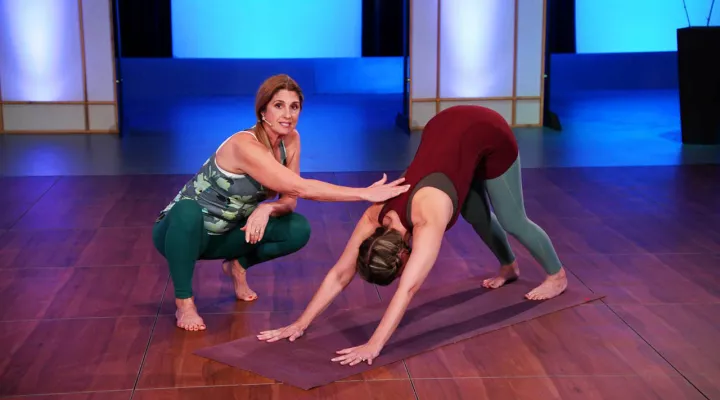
<point x="505" y="195"/>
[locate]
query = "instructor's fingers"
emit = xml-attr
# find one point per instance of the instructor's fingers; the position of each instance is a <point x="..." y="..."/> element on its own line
<point x="397" y="181"/>
<point x="255" y="232"/>
<point x="400" y="189"/>
<point x="381" y="180"/>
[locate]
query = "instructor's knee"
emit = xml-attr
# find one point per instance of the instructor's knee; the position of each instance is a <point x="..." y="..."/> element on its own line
<point x="300" y="231"/>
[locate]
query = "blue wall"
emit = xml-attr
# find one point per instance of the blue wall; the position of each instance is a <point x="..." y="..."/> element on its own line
<point x="619" y="71"/>
<point x="266" y="29"/>
<point x="233" y="77"/>
<point x="376" y="75"/>
<point x="622" y="45"/>
<point x="633" y="26"/>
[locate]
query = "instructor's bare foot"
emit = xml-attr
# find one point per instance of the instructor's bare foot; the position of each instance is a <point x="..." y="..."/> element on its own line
<point x="507" y="274"/>
<point x="233" y="269"/>
<point x="187" y="315"/>
<point x="553" y="286"/>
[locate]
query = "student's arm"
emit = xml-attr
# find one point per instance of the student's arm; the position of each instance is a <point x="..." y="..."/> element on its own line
<point x="427" y="239"/>
<point x="339" y="276"/>
<point x="251" y="157"/>
<point x="430" y="222"/>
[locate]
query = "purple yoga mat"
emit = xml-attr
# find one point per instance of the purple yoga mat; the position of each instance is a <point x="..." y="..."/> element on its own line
<point x="436" y="317"/>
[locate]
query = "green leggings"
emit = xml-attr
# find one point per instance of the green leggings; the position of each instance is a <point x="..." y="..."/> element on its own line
<point x="505" y="195"/>
<point x="182" y="239"/>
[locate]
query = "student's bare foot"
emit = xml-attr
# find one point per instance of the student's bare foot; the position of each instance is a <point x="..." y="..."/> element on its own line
<point x="233" y="269"/>
<point x="553" y="286"/>
<point x="187" y="315"/>
<point x="507" y="274"/>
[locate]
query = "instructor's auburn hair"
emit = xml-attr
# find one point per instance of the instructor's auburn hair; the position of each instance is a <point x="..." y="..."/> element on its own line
<point x="381" y="257"/>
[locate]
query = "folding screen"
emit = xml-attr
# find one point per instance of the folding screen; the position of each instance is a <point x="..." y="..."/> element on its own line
<point x="484" y="52"/>
<point x="57" y="67"/>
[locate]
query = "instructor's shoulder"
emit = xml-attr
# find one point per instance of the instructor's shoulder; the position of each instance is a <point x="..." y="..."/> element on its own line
<point x="239" y="149"/>
<point x="244" y="141"/>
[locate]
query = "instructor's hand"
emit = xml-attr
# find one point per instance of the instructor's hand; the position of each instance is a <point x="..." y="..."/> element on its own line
<point x="291" y="332"/>
<point x="381" y="191"/>
<point x="257" y="222"/>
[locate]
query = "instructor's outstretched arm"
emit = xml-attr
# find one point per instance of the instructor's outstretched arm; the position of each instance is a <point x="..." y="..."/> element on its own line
<point x="339" y="276"/>
<point x="247" y="155"/>
<point x="427" y="239"/>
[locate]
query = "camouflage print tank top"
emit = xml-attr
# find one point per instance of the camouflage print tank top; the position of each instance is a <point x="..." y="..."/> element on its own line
<point x="226" y="199"/>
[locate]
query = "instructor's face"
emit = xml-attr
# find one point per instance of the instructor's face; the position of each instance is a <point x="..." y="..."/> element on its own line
<point x="282" y="112"/>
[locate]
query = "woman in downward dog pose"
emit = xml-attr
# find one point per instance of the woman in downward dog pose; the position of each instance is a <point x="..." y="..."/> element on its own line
<point x="466" y="154"/>
<point x="222" y="212"/>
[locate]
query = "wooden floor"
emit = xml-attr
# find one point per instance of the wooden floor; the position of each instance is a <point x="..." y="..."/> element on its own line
<point x="86" y="301"/>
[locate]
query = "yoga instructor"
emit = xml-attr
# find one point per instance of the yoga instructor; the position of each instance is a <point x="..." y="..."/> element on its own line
<point x="221" y="212"/>
<point x="467" y="159"/>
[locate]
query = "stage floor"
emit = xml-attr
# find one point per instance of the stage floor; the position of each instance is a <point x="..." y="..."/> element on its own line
<point x="86" y="301"/>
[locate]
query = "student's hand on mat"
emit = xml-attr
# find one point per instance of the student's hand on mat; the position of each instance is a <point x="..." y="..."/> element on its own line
<point x="291" y="332"/>
<point x="381" y="191"/>
<point x="355" y="355"/>
<point x="255" y="226"/>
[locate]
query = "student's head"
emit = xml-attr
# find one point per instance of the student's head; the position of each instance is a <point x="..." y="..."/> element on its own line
<point x="382" y="256"/>
<point x="278" y="103"/>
